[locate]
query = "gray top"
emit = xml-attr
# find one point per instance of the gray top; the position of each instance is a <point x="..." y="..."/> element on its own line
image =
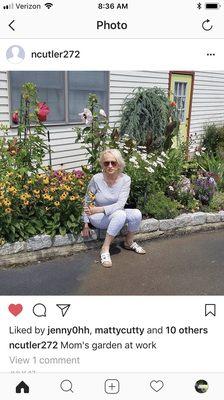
<point x="112" y="198"/>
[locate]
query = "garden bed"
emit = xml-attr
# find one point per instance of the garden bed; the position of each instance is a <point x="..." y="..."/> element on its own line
<point x="42" y="247"/>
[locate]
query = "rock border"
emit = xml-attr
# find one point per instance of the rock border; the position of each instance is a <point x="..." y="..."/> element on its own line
<point x="43" y="247"/>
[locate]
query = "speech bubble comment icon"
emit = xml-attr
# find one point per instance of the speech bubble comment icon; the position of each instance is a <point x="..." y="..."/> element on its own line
<point x="39" y="310"/>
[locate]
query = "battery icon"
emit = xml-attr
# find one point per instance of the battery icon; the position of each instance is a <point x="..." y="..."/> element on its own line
<point x="212" y="6"/>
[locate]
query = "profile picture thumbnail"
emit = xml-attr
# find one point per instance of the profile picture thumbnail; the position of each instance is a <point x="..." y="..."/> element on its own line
<point x="201" y="386"/>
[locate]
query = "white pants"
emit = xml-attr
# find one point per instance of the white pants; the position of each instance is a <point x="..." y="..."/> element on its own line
<point x="115" y="221"/>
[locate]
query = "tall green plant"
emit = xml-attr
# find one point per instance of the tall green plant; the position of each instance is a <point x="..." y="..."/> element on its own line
<point x="96" y="133"/>
<point x="26" y="150"/>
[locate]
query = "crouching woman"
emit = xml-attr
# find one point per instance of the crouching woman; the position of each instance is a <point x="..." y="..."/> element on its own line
<point x="110" y="190"/>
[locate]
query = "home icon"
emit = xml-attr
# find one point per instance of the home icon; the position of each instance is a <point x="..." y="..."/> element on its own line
<point x="22" y="387"/>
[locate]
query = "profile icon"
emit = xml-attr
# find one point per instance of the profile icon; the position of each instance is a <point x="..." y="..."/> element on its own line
<point x="15" y="54"/>
<point x="201" y="386"/>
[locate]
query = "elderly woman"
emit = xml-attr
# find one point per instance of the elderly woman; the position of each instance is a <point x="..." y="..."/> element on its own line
<point x="110" y="190"/>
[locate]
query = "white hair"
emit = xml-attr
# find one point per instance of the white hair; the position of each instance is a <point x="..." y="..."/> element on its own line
<point x="116" y="154"/>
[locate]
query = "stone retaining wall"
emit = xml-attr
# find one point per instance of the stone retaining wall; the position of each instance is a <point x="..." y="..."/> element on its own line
<point x="43" y="247"/>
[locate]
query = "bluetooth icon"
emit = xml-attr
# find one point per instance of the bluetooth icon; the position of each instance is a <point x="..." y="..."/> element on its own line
<point x="199" y="6"/>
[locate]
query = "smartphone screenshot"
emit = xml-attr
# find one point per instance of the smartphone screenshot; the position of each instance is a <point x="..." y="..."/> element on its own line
<point x="111" y="199"/>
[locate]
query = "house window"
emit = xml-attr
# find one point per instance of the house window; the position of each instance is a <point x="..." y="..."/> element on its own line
<point x="180" y="99"/>
<point x="66" y="93"/>
<point x="51" y="89"/>
<point x="80" y="84"/>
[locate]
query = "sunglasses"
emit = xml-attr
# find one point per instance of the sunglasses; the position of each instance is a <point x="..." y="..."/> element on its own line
<point x="107" y="163"/>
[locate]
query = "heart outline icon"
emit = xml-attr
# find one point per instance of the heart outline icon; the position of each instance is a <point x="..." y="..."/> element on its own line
<point x="15" y="309"/>
<point x="156" y="385"/>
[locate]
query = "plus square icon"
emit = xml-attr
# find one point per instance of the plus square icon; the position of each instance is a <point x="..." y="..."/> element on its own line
<point x="112" y="386"/>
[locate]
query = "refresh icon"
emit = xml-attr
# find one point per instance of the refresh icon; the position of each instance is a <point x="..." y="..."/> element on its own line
<point x="206" y="25"/>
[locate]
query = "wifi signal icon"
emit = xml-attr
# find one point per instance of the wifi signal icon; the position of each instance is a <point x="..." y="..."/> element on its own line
<point x="48" y="5"/>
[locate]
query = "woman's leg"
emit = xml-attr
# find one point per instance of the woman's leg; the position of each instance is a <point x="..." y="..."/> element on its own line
<point x="113" y="223"/>
<point x="133" y="218"/>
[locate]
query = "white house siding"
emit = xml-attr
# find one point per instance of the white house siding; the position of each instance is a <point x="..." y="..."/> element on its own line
<point x="207" y="106"/>
<point x="4" y="98"/>
<point x="208" y="101"/>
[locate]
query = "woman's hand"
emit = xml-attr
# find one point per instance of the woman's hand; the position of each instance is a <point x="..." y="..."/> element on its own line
<point x="93" y="210"/>
<point x="86" y="231"/>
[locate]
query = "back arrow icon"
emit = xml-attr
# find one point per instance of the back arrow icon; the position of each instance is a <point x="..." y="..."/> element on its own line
<point x="206" y="28"/>
<point x="10" y="25"/>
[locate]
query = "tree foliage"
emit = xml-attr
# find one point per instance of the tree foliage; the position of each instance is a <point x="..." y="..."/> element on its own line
<point x="149" y="118"/>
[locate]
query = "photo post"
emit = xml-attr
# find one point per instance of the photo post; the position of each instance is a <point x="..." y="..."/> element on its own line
<point x="111" y="200"/>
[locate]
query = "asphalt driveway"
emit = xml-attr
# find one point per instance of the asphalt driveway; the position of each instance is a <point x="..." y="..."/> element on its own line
<point x="187" y="265"/>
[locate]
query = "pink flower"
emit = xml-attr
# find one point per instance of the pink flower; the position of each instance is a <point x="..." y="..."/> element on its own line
<point x="15" y="117"/>
<point x="86" y="116"/>
<point x="78" y="173"/>
<point x="43" y="111"/>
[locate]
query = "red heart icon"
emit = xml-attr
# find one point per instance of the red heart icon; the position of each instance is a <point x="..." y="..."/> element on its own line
<point x="15" y="309"/>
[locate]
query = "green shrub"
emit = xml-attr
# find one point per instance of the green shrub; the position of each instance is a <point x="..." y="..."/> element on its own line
<point x="213" y="165"/>
<point x="188" y="201"/>
<point x="161" y="207"/>
<point x="173" y="169"/>
<point x="214" y="139"/>
<point x="44" y="203"/>
<point x="217" y="202"/>
<point x="150" y="118"/>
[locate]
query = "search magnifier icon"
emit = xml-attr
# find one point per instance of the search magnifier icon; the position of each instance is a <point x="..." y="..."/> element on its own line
<point x="66" y="385"/>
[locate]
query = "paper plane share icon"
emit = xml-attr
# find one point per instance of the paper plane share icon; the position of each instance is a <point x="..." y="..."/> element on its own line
<point x="64" y="308"/>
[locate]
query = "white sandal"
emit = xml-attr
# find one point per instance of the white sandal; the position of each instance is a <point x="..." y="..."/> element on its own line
<point x="135" y="247"/>
<point x="105" y="260"/>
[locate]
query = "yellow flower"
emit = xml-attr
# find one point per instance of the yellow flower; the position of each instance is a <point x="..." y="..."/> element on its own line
<point x="92" y="196"/>
<point x="46" y="196"/>
<point x="25" y="196"/>
<point x="63" y="196"/>
<point x="36" y="191"/>
<point x="37" y="196"/>
<point x="7" y="202"/>
<point x="26" y="203"/>
<point x="30" y="181"/>
<point x="75" y="197"/>
<point x="53" y="189"/>
<point x="8" y="210"/>
<point x="57" y="203"/>
<point x="46" y="181"/>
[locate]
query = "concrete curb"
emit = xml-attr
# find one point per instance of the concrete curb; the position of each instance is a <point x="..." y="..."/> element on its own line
<point x="151" y="229"/>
